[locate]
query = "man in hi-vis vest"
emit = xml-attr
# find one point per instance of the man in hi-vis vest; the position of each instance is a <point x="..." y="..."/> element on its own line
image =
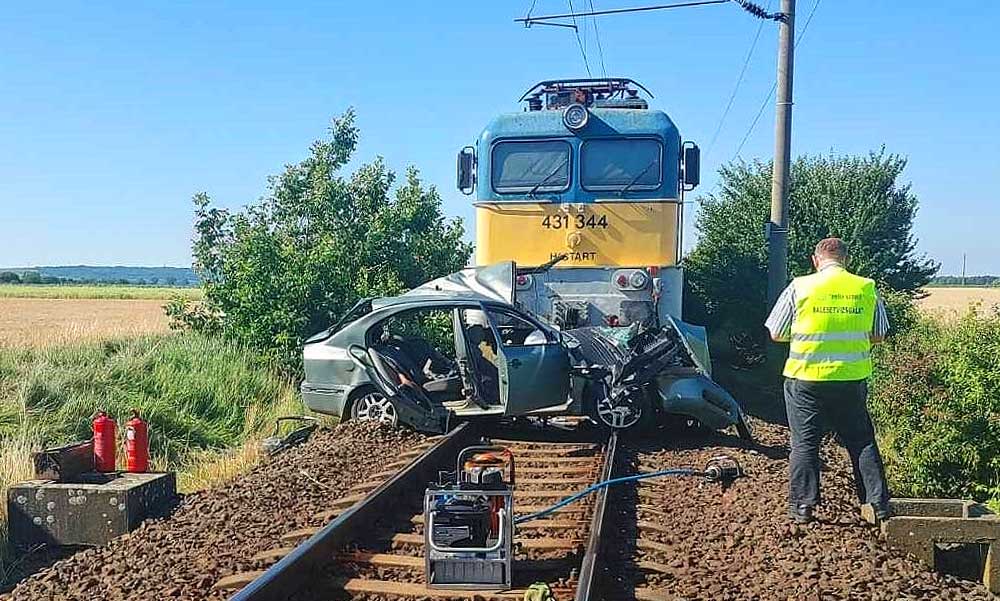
<point x="830" y="318"/>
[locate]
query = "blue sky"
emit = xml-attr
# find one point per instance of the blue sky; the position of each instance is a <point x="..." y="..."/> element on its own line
<point x="113" y="114"/>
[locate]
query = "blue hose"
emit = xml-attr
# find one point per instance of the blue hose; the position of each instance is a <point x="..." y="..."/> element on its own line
<point x="681" y="471"/>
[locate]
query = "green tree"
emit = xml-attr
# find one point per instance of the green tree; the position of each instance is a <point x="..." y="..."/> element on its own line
<point x="286" y="267"/>
<point x="9" y="277"/>
<point x="857" y="198"/>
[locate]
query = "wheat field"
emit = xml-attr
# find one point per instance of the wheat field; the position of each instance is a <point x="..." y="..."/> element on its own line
<point x="958" y="299"/>
<point x="39" y="322"/>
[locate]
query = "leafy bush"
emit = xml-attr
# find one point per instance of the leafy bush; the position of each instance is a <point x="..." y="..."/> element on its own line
<point x="935" y="400"/>
<point x="855" y="198"/>
<point x="281" y="270"/>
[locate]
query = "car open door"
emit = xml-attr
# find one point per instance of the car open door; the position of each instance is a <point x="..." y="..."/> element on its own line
<point x="533" y="365"/>
<point x="414" y="407"/>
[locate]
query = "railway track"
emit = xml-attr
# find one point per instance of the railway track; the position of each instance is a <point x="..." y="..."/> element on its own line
<point x="369" y="544"/>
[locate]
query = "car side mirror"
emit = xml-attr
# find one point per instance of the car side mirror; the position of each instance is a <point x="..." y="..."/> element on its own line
<point x="691" y="165"/>
<point x="467" y="170"/>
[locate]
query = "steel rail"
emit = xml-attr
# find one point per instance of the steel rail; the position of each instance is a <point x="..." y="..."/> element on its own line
<point x="294" y="571"/>
<point x="585" y="583"/>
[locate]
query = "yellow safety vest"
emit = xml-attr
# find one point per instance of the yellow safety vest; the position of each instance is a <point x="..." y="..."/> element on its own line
<point x="834" y="313"/>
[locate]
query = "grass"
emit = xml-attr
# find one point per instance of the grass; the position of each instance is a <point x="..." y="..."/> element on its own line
<point x="123" y="292"/>
<point x="208" y="403"/>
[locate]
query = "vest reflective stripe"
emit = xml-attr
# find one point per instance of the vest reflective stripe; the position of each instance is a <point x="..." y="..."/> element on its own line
<point x="834" y="313"/>
<point x="829" y="357"/>
<point x="825" y="336"/>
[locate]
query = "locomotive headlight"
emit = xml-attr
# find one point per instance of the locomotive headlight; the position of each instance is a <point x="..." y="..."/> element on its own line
<point x="575" y="117"/>
<point x="638" y="279"/>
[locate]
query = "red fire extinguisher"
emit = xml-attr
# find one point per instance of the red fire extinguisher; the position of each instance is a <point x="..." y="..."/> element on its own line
<point x="104" y="442"/>
<point x="136" y="444"/>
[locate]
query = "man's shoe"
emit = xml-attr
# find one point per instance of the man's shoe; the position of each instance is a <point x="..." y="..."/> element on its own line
<point x="801" y="514"/>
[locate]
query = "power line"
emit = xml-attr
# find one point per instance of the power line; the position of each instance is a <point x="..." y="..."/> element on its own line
<point x="597" y="35"/>
<point x="767" y="100"/>
<point x="528" y="21"/>
<point x="739" y="81"/>
<point x="576" y="30"/>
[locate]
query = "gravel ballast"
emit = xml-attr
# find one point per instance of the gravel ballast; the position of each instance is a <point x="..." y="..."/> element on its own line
<point x="738" y="543"/>
<point x="214" y="533"/>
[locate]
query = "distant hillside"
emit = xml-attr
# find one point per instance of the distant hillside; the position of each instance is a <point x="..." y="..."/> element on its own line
<point x="162" y="276"/>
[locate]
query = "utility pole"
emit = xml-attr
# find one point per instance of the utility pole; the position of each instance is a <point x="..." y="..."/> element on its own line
<point x="777" y="228"/>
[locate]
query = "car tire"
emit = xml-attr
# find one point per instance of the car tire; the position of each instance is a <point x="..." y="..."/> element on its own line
<point x="635" y="413"/>
<point x="373" y="406"/>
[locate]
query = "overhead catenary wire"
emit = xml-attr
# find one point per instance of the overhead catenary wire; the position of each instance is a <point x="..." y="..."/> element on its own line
<point x="798" y="40"/>
<point x="739" y="81"/>
<point x="528" y="21"/>
<point x="597" y="37"/>
<point x="579" y="42"/>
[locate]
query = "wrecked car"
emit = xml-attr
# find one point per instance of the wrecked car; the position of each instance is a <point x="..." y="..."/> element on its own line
<point x="460" y="348"/>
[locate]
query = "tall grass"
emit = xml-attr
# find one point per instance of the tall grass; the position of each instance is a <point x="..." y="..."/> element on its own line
<point x="207" y="402"/>
<point x="97" y="291"/>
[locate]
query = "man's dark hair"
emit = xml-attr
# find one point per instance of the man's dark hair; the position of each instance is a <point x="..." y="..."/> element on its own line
<point x="832" y="248"/>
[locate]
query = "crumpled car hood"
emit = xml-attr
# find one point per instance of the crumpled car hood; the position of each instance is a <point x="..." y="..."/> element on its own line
<point x="492" y="282"/>
<point x="676" y="344"/>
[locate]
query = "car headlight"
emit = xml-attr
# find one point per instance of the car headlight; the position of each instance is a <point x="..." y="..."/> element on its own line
<point x="575" y="117"/>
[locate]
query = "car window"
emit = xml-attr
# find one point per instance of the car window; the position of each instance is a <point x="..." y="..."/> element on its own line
<point x="433" y="326"/>
<point x="515" y="330"/>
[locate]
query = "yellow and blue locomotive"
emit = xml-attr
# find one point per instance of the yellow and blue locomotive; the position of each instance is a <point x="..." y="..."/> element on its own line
<point x="590" y="181"/>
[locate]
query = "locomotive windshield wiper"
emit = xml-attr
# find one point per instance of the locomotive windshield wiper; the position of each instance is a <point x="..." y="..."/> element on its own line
<point x="548" y="177"/>
<point x="635" y="179"/>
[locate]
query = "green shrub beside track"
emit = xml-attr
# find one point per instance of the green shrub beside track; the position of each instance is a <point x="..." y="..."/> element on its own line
<point x="936" y="404"/>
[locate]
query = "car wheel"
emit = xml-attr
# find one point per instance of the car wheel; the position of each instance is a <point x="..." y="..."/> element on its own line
<point x="373" y="406"/>
<point x="625" y="410"/>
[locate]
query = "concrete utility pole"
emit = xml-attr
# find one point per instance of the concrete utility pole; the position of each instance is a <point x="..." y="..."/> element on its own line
<point x="777" y="228"/>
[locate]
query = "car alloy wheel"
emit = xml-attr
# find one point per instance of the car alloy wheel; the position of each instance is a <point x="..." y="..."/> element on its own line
<point x="620" y="411"/>
<point x="375" y="407"/>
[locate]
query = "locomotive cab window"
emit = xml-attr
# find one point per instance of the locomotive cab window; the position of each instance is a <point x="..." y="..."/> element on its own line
<point x="621" y="164"/>
<point x="531" y="166"/>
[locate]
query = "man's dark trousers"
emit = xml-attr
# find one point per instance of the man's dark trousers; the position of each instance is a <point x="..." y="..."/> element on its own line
<point x="814" y="407"/>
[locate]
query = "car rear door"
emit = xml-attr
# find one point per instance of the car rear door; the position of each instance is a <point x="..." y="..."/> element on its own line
<point x="533" y="366"/>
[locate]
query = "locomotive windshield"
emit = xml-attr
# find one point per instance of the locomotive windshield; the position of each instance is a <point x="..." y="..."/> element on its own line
<point x="621" y="164"/>
<point x="537" y="166"/>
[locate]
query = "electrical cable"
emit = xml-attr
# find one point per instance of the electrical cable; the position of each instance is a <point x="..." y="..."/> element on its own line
<point x="739" y="81"/>
<point x="681" y="471"/>
<point x="597" y="35"/>
<point x="579" y="42"/>
<point x="798" y="40"/>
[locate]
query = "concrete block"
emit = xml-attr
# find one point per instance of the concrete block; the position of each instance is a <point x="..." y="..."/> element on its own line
<point x="918" y="525"/>
<point x="92" y="510"/>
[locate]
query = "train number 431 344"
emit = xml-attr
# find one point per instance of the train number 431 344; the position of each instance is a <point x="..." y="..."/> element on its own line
<point x="579" y="221"/>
